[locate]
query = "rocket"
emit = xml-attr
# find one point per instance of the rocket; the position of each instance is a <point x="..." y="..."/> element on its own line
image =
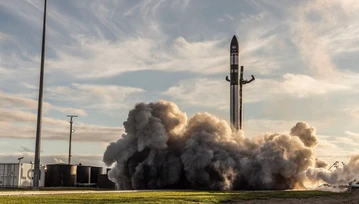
<point x="236" y="85"/>
<point x="234" y="110"/>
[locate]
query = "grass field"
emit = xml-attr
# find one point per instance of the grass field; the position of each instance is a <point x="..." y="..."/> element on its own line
<point x="167" y="197"/>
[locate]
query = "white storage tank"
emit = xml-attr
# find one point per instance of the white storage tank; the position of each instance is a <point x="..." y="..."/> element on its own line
<point x="13" y="175"/>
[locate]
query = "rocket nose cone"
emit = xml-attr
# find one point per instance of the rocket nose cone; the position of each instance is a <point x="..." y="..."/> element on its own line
<point x="234" y="45"/>
<point x="234" y="41"/>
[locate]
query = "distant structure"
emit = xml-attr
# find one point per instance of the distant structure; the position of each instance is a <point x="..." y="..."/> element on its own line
<point x="70" y="175"/>
<point x="19" y="175"/>
<point x="236" y="116"/>
<point x="336" y="165"/>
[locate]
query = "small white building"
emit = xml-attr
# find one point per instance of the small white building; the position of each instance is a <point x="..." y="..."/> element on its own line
<point x="14" y="175"/>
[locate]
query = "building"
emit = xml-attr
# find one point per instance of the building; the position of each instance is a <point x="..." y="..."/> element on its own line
<point x="14" y="175"/>
<point x="72" y="175"/>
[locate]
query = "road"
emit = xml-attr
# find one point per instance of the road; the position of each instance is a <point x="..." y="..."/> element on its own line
<point x="55" y="192"/>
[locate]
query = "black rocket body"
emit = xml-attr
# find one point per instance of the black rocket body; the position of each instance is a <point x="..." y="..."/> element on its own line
<point x="234" y="81"/>
<point x="236" y="86"/>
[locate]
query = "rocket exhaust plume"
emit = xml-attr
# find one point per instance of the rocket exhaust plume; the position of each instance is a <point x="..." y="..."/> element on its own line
<point x="161" y="149"/>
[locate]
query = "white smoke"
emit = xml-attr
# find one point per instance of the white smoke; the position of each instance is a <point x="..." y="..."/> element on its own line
<point x="160" y="149"/>
<point x="59" y="161"/>
<point x="339" y="176"/>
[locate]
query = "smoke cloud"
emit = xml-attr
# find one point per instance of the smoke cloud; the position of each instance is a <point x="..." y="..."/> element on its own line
<point x="161" y="148"/>
<point x="344" y="175"/>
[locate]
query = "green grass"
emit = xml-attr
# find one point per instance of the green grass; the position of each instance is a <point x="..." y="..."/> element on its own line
<point x="167" y="197"/>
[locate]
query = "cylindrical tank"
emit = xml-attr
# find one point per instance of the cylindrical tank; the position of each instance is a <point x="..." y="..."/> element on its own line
<point x="60" y="175"/>
<point x="83" y="174"/>
<point x="95" y="171"/>
<point x="104" y="182"/>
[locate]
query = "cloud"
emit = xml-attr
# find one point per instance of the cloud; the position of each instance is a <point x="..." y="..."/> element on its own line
<point x="263" y="65"/>
<point x="229" y="16"/>
<point x="353" y="137"/>
<point x="215" y="93"/>
<point x="344" y="140"/>
<point x="148" y="8"/>
<point x="9" y="100"/>
<point x="25" y="149"/>
<point x="321" y="29"/>
<point x="5" y="38"/>
<point x="331" y="151"/>
<point x="22" y="67"/>
<point x="53" y="129"/>
<point x="343" y="40"/>
<point x="353" y="112"/>
<point x="338" y="145"/>
<point x="304" y="86"/>
<point x="352" y="134"/>
<point x="264" y="41"/>
<point x="32" y="7"/>
<point x="292" y="85"/>
<point x="226" y="16"/>
<point x="314" y="52"/>
<point x="97" y="55"/>
<point x="256" y="127"/>
<point x="91" y="50"/>
<point x="60" y="131"/>
<point x="85" y="159"/>
<point x="70" y="110"/>
<point x="12" y="101"/>
<point x="200" y="92"/>
<point x="9" y="115"/>
<point x="180" y="4"/>
<point x="102" y="98"/>
<point x="103" y="39"/>
<point x="102" y="58"/>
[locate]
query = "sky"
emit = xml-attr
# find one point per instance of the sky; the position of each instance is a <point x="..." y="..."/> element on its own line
<point x="103" y="57"/>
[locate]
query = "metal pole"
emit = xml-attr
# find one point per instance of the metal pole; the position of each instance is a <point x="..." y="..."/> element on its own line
<point x="240" y="98"/>
<point x="69" y="160"/>
<point x="13" y="176"/>
<point x="71" y="116"/>
<point x="32" y="178"/>
<point x="20" y="169"/>
<point x="39" y="108"/>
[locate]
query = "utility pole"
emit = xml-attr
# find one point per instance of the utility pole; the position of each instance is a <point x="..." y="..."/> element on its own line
<point x="20" y="168"/>
<point x="39" y="108"/>
<point x="20" y="158"/>
<point x="71" y="130"/>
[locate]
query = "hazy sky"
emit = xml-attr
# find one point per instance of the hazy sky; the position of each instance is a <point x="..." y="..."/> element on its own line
<point x="103" y="57"/>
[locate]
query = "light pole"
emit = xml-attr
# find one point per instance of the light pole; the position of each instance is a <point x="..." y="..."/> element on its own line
<point x="32" y="170"/>
<point x="20" y="169"/>
<point x="71" y="130"/>
<point x="39" y="108"/>
<point x="20" y="158"/>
